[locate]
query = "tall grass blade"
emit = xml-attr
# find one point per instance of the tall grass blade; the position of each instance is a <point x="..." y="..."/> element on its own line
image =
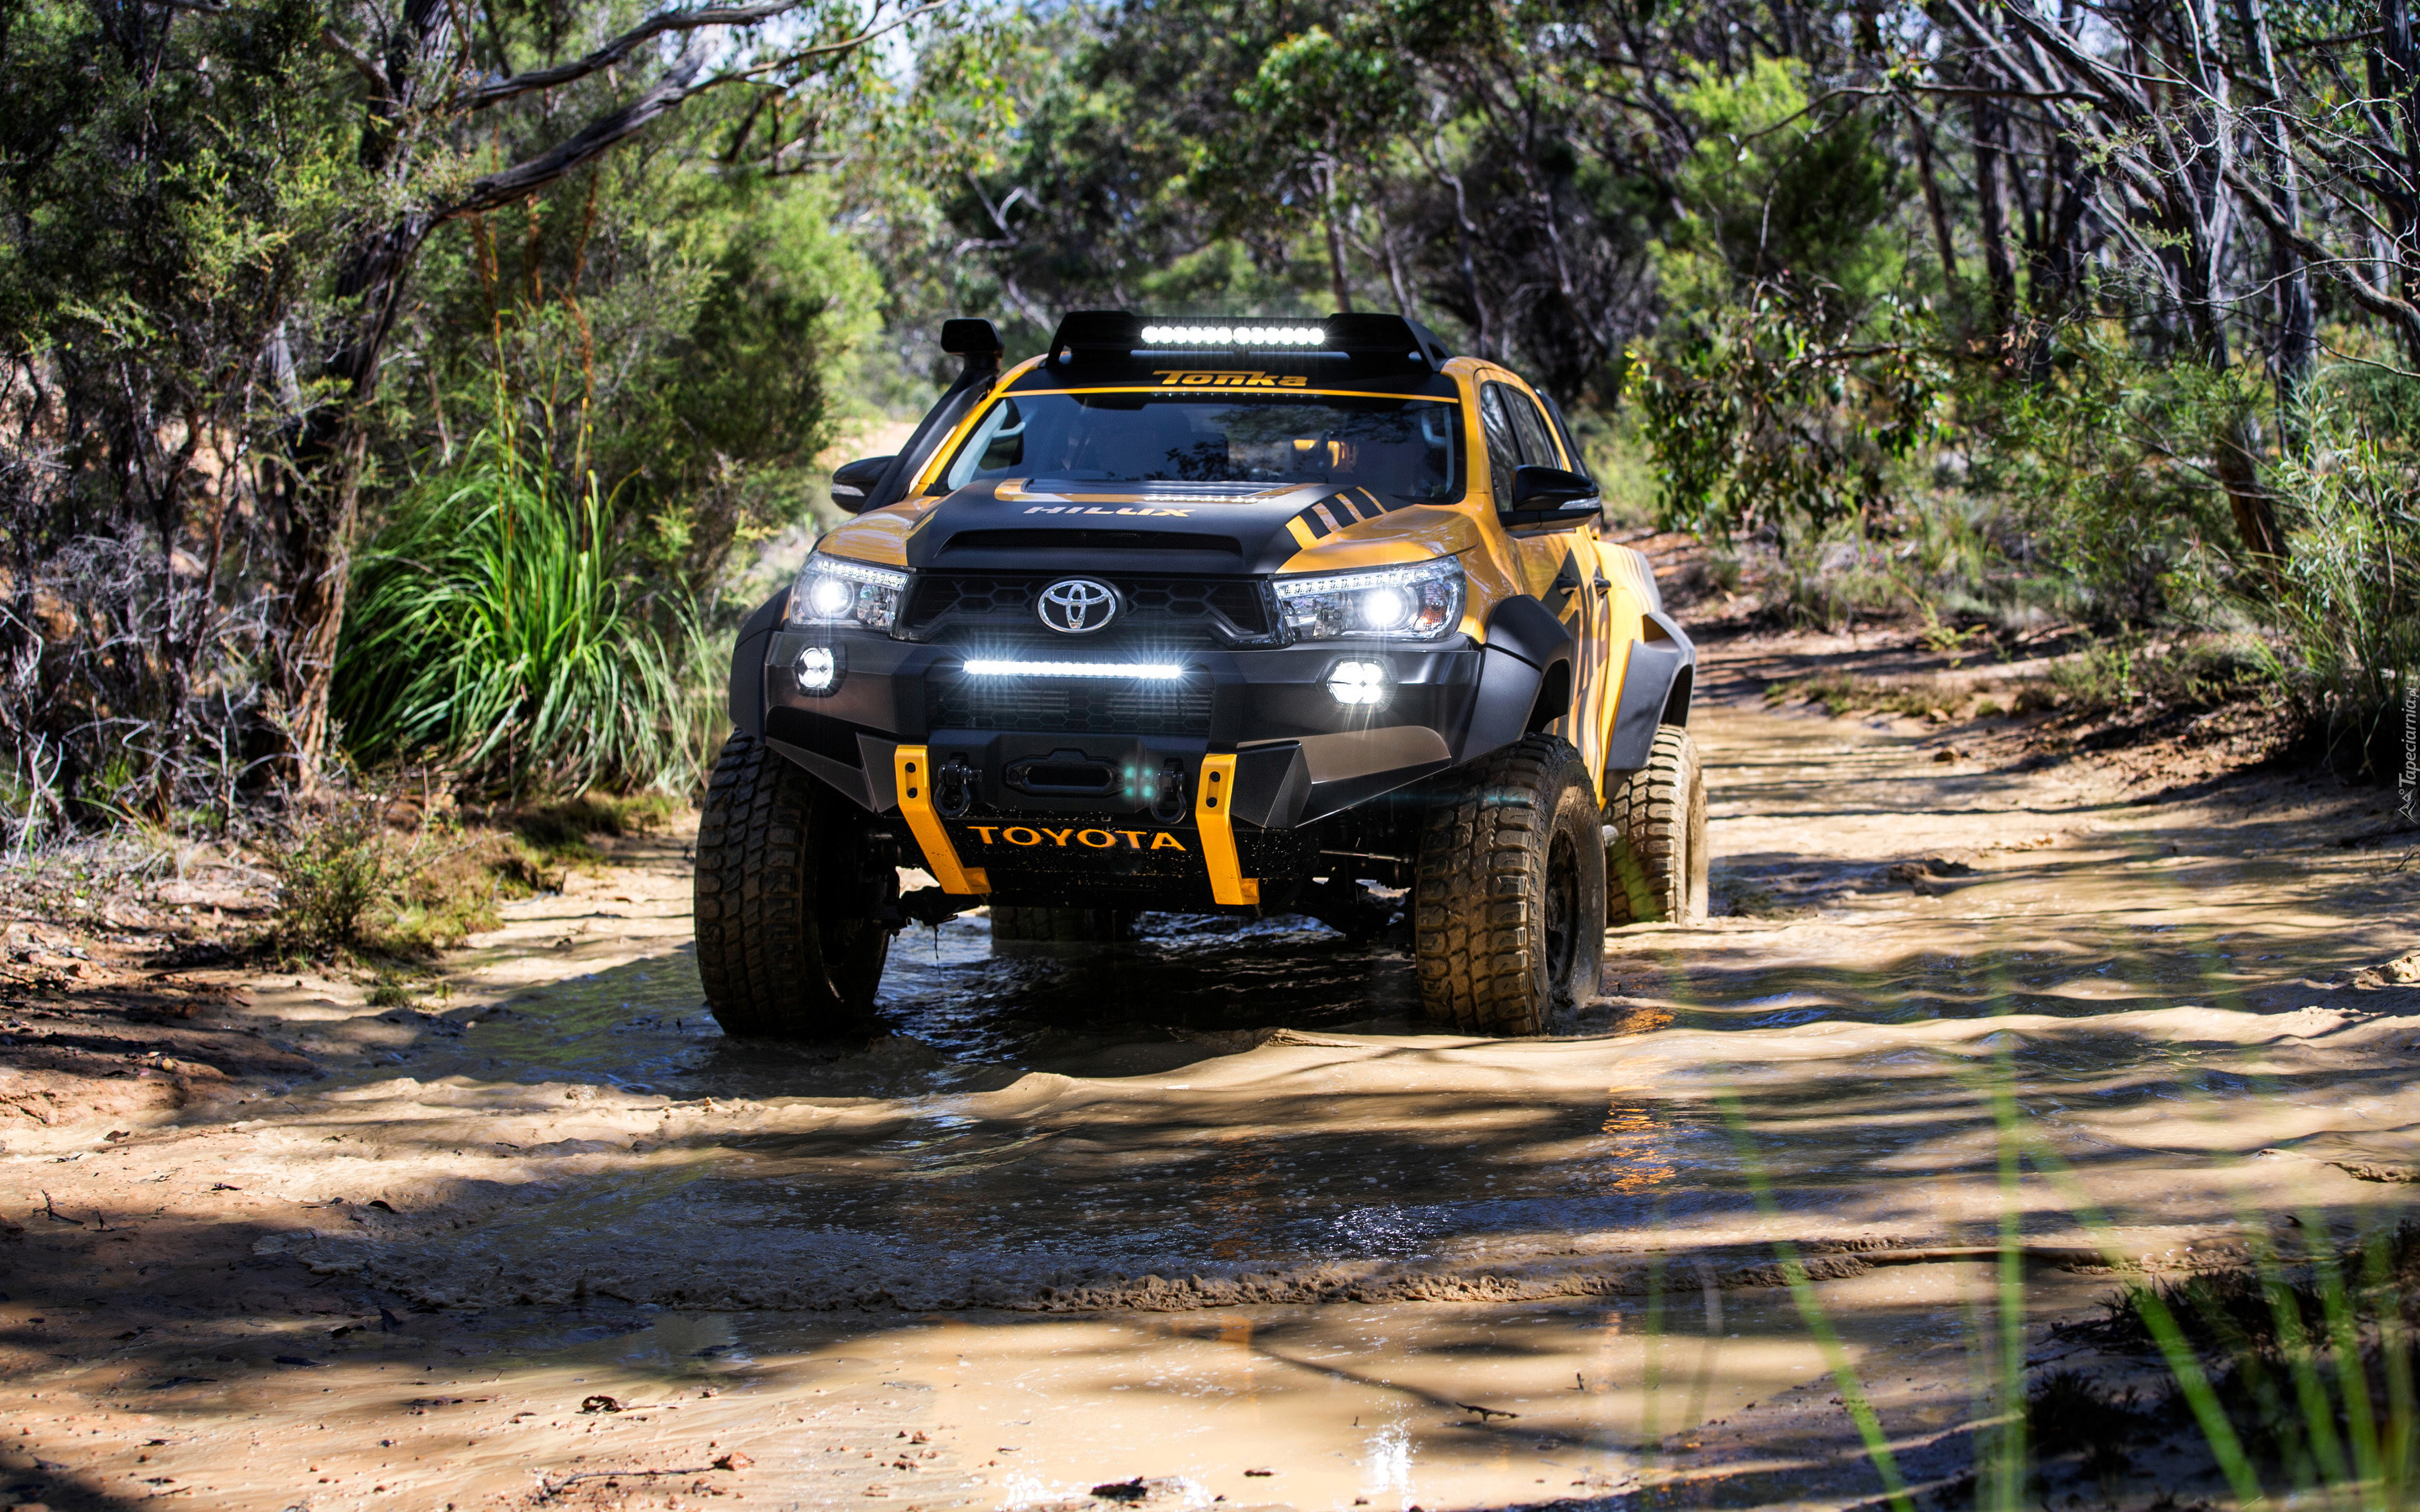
<point x="1810" y="1310"/>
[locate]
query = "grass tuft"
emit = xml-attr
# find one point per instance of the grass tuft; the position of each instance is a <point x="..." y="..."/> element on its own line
<point x="496" y="626"/>
<point x="2067" y="1411"/>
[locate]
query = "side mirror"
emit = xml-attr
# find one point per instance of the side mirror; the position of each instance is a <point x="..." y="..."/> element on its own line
<point x="1545" y="494"/>
<point x="853" y="483"/>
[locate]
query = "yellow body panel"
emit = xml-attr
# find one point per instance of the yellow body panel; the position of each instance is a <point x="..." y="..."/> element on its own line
<point x="912" y="769"/>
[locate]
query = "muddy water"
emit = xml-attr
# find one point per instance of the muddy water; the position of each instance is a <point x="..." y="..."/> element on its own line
<point x="1217" y="1203"/>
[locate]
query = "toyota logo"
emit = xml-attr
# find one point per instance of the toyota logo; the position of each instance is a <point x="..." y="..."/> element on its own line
<point x="1077" y="605"/>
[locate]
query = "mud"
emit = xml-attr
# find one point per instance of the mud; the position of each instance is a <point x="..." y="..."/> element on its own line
<point x="1159" y="1218"/>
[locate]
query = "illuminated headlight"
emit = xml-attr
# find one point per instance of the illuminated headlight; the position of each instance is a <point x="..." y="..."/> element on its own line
<point x="1360" y="683"/>
<point x="1416" y="603"/>
<point x="1207" y="336"/>
<point x="833" y="589"/>
<point x="816" y="668"/>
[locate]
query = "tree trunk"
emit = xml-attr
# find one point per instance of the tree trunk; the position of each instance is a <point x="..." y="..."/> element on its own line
<point x="321" y="493"/>
<point x="322" y="498"/>
<point x="2297" y="347"/>
<point x="2256" y="513"/>
<point x="1993" y="212"/>
<point x="1338" y="280"/>
<point x="1921" y="132"/>
<point x="2392" y="78"/>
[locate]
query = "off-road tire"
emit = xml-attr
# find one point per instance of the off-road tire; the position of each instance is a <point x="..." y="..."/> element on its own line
<point x="786" y="889"/>
<point x="1508" y="900"/>
<point x="1013" y="925"/>
<point x="1655" y="855"/>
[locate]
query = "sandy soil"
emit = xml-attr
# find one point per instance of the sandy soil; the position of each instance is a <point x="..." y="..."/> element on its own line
<point x="1212" y="1220"/>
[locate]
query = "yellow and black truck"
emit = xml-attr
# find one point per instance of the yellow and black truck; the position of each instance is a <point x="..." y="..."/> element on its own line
<point x="1209" y="614"/>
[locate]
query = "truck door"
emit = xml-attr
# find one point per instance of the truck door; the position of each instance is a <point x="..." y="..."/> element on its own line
<point x="1558" y="562"/>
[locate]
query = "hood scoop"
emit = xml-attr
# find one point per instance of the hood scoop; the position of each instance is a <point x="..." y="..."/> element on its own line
<point x="1091" y="538"/>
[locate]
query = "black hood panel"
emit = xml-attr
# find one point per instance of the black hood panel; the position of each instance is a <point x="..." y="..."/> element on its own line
<point x="1027" y="525"/>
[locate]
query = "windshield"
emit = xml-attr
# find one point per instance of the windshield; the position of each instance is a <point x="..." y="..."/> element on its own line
<point x="1400" y="447"/>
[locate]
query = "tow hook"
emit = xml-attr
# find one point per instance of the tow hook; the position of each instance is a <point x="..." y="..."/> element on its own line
<point x="954" y="788"/>
<point x="1168" y="805"/>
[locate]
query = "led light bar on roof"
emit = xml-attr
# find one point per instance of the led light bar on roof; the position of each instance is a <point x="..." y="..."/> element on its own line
<point x="1232" y="336"/>
<point x="1149" y="670"/>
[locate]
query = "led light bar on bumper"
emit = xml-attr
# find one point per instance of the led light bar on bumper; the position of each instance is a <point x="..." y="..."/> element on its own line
<point x="1156" y="672"/>
<point x="833" y="589"/>
<point x="1421" y="602"/>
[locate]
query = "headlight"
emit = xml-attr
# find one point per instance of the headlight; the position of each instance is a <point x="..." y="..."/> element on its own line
<point x="1416" y="603"/>
<point x="833" y="589"/>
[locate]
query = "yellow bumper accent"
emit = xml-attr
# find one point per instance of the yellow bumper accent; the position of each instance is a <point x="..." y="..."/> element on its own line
<point x="1228" y="884"/>
<point x="913" y="770"/>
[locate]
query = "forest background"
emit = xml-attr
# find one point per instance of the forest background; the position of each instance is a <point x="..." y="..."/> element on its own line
<point x="429" y="384"/>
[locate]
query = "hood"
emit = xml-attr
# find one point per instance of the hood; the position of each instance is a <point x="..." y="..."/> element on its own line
<point x="1048" y="525"/>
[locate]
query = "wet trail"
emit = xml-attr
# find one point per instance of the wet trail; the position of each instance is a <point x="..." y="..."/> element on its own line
<point x="1216" y="1204"/>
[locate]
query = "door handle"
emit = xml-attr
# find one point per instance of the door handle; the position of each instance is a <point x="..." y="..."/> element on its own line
<point x="1604" y="585"/>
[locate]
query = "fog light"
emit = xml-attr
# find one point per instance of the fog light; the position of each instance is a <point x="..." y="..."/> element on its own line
<point x="1361" y="683"/>
<point x="817" y="669"/>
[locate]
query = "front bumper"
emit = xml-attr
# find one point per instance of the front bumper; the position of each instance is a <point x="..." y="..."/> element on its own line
<point x="1075" y="791"/>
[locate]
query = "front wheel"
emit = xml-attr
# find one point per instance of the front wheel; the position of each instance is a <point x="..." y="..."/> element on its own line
<point x="788" y="887"/>
<point x="1509" y="898"/>
<point x="1655" y="837"/>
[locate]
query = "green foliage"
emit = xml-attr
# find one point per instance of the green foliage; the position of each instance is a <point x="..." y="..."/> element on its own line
<point x="686" y="339"/>
<point x="2107" y="456"/>
<point x="494" y="625"/>
<point x="2345" y="602"/>
<point x="1760" y="419"/>
<point x="1779" y="189"/>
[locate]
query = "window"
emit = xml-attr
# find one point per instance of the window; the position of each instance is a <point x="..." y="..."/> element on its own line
<point x="1503" y="442"/>
<point x="1537" y="441"/>
<point x="1401" y="447"/>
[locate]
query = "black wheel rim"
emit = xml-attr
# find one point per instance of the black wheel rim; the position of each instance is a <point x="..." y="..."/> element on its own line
<point x="1562" y="908"/>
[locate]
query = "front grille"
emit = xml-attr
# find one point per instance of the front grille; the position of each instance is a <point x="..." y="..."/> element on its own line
<point x="945" y="605"/>
<point x="1044" y="707"/>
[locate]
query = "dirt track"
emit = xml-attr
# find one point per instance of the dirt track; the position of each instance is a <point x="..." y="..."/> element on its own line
<point x="1216" y="1206"/>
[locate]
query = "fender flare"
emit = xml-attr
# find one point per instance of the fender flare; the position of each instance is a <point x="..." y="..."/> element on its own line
<point x="1525" y="678"/>
<point x="1656" y="689"/>
<point x="747" y="686"/>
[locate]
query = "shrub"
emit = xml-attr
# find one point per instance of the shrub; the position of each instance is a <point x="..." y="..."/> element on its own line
<point x="330" y="877"/>
<point x="347" y="885"/>
<point x="2345" y="602"/>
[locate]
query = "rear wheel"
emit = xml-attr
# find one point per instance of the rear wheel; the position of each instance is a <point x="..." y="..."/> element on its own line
<point x="1509" y="901"/>
<point x="787" y="885"/>
<point x="1656" y="843"/>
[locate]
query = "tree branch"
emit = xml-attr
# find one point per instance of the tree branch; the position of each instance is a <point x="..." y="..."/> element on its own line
<point x="592" y="140"/>
<point x="666" y="21"/>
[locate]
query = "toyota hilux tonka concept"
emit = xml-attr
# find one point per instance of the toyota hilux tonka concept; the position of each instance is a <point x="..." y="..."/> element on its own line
<point x="1204" y="615"/>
